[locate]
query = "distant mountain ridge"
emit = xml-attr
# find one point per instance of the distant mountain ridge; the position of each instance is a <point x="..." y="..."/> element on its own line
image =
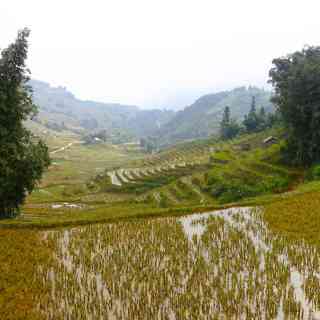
<point x="202" y="118"/>
<point x="59" y="108"/>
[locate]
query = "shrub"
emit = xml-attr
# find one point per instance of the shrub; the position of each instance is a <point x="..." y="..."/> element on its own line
<point x="276" y="184"/>
<point x="234" y="190"/>
<point x="314" y="172"/>
<point x="229" y="191"/>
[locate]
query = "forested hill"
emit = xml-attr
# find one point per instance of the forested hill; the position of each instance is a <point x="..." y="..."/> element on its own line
<point x="61" y="110"/>
<point x="202" y="118"/>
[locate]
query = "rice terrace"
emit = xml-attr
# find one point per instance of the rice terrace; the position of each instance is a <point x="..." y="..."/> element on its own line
<point x="206" y="207"/>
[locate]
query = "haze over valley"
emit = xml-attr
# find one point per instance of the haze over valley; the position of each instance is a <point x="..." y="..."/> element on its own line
<point x="60" y="110"/>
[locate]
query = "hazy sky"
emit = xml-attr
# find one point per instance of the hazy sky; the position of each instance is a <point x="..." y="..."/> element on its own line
<point x="157" y="53"/>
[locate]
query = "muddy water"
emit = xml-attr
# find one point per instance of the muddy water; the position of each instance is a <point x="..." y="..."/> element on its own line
<point x="195" y="225"/>
<point x="217" y="265"/>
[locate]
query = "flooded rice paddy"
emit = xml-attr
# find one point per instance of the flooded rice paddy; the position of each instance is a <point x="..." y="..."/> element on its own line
<point x="219" y="265"/>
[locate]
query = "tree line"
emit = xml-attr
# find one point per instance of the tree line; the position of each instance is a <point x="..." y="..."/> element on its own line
<point x="254" y="121"/>
<point x="296" y="97"/>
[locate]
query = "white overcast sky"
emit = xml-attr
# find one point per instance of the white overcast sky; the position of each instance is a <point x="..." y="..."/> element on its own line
<point x="157" y="53"/>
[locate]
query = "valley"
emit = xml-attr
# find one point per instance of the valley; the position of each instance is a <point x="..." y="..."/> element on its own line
<point x="191" y="230"/>
<point x="103" y="182"/>
<point x="113" y="211"/>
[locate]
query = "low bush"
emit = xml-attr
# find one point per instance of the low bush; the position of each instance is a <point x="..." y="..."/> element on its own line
<point x="313" y="173"/>
<point x="276" y="184"/>
<point x="227" y="190"/>
<point x="164" y="201"/>
<point x="230" y="191"/>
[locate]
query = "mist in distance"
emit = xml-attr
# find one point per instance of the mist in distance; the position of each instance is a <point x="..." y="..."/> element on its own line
<point x="158" y="54"/>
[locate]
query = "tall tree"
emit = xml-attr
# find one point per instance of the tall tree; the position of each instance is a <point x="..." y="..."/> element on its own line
<point x="262" y="119"/>
<point x="253" y="105"/>
<point x="226" y="116"/>
<point x="251" y="121"/>
<point x="229" y="128"/>
<point x="262" y="113"/>
<point x="23" y="158"/>
<point x="296" y="80"/>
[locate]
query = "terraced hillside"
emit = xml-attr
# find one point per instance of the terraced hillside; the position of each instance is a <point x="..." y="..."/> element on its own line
<point x="163" y="179"/>
<point x="88" y="183"/>
<point x="73" y="165"/>
<point x="203" y="172"/>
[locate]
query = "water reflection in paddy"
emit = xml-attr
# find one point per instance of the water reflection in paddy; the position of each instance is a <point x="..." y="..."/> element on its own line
<point x="218" y="265"/>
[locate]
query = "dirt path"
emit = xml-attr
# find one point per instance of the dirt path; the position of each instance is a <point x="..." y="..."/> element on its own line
<point x="63" y="148"/>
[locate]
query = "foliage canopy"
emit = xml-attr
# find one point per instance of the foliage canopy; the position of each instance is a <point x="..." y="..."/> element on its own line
<point x="23" y="158"/>
<point x="229" y="127"/>
<point x="296" y="79"/>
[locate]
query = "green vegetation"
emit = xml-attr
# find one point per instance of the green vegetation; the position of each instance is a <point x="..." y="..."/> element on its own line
<point x="61" y="111"/>
<point x="135" y="250"/>
<point x="23" y="160"/>
<point x="253" y="122"/>
<point x="202" y="119"/>
<point x="72" y="169"/>
<point x="238" y="174"/>
<point x="258" y="121"/>
<point x="188" y="177"/>
<point x="296" y="82"/>
<point x="314" y="172"/>
<point x="229" y="128"/>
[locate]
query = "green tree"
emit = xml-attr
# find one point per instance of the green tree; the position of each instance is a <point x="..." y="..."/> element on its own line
<point x="262" y="113"/>
<point x="23" y="158"/>
<point x="251" y="120"/>
<point x="296" y="80"/>
<point x="273" y="119"/>
<point x="229" y="128"/>
<point x="262" y="119"/>
<point x="225" y="118"/>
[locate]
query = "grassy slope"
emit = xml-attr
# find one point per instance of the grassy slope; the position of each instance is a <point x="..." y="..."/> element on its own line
<point x="192" y="192"/>
<point x="71" y="169"/>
